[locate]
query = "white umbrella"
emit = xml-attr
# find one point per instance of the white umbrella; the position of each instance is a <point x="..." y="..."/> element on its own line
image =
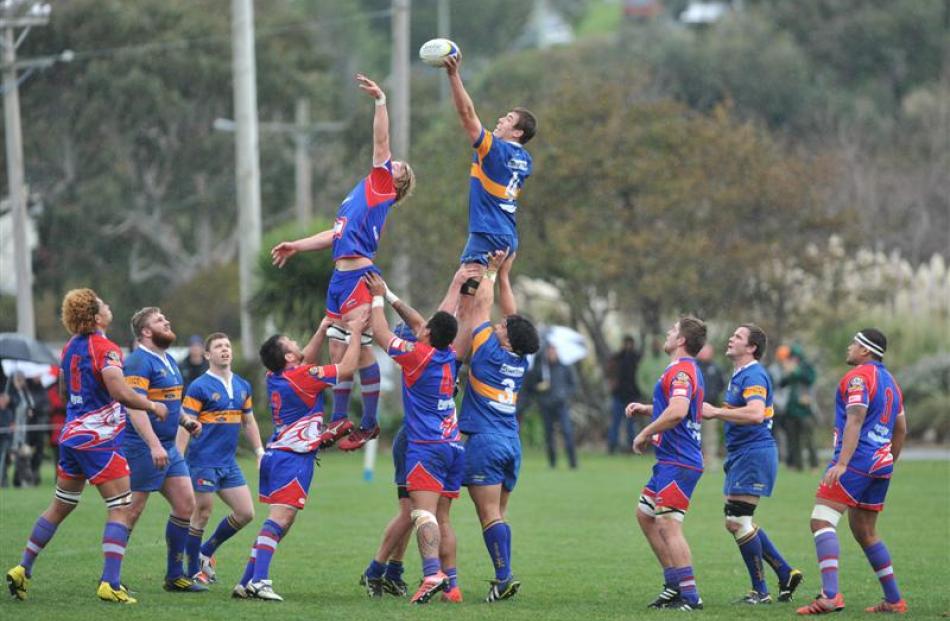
<point x="569" y="343"/>
<point x="30" y="370"/>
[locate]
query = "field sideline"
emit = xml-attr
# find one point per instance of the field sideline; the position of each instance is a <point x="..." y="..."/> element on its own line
<point x="577" y="550"/>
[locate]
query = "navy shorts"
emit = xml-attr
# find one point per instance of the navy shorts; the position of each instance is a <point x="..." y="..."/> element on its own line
<point x="435" y="467"/>
<point x="492" y="458"/>
<point x="479" y="246"/>
<point x="671" y="486"/>
<point x="95" y="466"/>
<point x="400" y="443"/>
<point x="348" y="290"/>
<point x="857" y="490"/>
<point x="751" y="471"/>
<point x="145" y="476"/>
<point x="214" y="478"/>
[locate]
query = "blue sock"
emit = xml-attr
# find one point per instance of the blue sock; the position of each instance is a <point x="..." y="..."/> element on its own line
<point x="225" y="530"/>
<point x="771" y="555"/>
<point x="453" y="575"/>
<point x="176" y="536"/>
<point x="496" y="537"/>
<point x="114" y="539"/>
<point x="193" y="548"/>
<point x="671" y="578"/>
<point x="375" y="570"/>
<point x="341" y="400"/>
<point x="394" y="570"/>
<point x="508" y="547"/>
<point x="431" y="566"/>
<point x="249" y="568"/>
<point x="687" y="581"/>
<point x="880" y="560"/>
<point x="828" y="549"/>
<point x="751" y="549"/>
<point x="267" y="541"/>
<point x="43" y="531"/>
<point x="369" y="392"/>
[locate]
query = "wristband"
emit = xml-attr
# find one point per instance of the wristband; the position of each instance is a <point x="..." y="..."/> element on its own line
<point x="491" y="276"/>
<point x="259" y="451"/>
<point x="391" y="297"/>
<point x="381" y="101"/>
<point x="378" y="301"/>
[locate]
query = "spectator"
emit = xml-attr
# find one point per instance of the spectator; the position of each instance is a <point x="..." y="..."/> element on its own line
<point x="194" y="363"/>
<point x="624" y="389"/>
<point x="780" y="400"/>
<point x="6" y="430"/>
<point x="39" y="421"/>
<point x="799" y="376"/>
<point x="553" y="385"/>
<point x="715" y="383"/>
<point x="57" y="416"/>
<point x="22" y="404"/>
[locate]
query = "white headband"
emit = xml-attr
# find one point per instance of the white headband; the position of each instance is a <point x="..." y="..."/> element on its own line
<point x="869" y="345"/>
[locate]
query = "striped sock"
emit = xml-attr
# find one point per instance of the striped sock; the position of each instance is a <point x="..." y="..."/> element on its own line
<point x="453" y="575"/>
<point x="43" y="531"/>
<point x="267" y="541"/>
<point x="193" y="549"/>
<point x="687" y="582"/>
<point x="671" y="578"/>
<point x="880" y="560"/>
<point x="341" y="400"/>
<point x="369" y="392"/>
<point x="115" y="537"/>
<point x="225" y="530"/>
<point x="176" y="536"/>
<point x="828" y="550"/>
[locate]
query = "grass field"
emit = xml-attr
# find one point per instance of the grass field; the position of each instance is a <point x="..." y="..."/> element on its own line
<point x="577" y="550"/>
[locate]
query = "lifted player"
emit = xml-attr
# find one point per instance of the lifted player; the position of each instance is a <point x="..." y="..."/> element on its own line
<point x="355" y="239"/>
<point x="869" y="434"/>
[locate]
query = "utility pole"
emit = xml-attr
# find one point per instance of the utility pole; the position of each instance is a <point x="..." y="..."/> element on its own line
<point x="399" y="122"/>
<point x="303" y="205"/>
<point x="37" y="15"/>
<point x="444" y="30"/>
<point x="247" y="173"/>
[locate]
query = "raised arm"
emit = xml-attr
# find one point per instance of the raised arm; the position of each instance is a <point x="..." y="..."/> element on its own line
<point x="451" y="302"/>
<point x="351" y="357"/>
<point x="479" y="311"/>
<point x="381" y="332"/>
<point x="312" y="349"/>
<point x="282" y="252"/>
<point x="381" y="151"/>
<point x="411" y="316"/>
<point x="463" y="103"/>
<point x="506" y="295"/>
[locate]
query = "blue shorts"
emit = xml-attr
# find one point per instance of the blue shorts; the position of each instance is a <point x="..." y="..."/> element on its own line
<point x="857" y="490"/>
<point x="400" y="444"/>
<point x="435" y="467"/>
<point x="214" y="478"/>
<point x="145" y="476"/>
<point x="671" y="486"/>
<point x="95" y="466"/>
<point x="492" y="458"/>
<point x="479" y="245"/>
<point x="286" y="477"/>
<point x="751" y="471"/>
<point x="348" y="290"/>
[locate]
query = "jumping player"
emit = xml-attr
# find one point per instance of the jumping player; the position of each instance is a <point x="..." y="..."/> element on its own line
<point x="497" y="368"/>
<point x="221" y="401"/>
<point x="295" y="388"/>
<point x="752" y="461"/>
<point x="94" y="390"/>
<point x="434" y="455"/>
<point x="675" y="434"/>
<point x="869" y="434"/>
<point x="355" y="239"/>
<point x="154" y="460"/>
<point x="499" y="168"/>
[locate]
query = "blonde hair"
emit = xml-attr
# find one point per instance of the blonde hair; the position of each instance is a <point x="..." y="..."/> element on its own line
<point x="79" y="311"/>
<point x="140" y="319"/>
<point x="406" y="184"/>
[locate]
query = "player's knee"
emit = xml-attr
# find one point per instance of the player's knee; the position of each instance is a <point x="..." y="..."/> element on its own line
<point x="669" y="519"/>
<point x="823" y="516"/>
<point x="739" y="518"/>
<point x="421" y="517"/>
<point x="66" y="501"/>
<point x="244" y="517"/>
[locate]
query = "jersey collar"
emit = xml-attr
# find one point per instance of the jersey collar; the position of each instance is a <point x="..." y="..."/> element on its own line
<point x="744" y="367"/>
<point x="228" y="382"/>
<point x="163" y="357"/>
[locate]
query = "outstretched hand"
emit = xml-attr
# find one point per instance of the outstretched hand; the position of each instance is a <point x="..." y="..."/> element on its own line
<point x="496" y="258"/>
<point x="369" y="86"/>
<point x="467" y="271"/>
<point x="452" y="63"/>
<point x="282" y="252"/>
<point x="375" y="284"/>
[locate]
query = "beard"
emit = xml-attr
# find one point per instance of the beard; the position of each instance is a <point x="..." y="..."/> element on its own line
<point x="163" y="339"/>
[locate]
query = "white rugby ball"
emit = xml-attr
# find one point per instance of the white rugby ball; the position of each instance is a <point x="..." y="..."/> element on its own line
<point x="434" y="51"/>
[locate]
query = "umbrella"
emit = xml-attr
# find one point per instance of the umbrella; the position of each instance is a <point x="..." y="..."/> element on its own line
<point x="570" y="343"/>
<point x="46" y="373"/>
<point x="15" y="346"/>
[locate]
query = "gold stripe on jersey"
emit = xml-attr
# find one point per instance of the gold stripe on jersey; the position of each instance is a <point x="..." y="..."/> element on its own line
<point x="191" y="404"/>
<point x="247" y="403"/>
<point x="481" y="337"/>
<point x="169" y="393"/>
<point x="492" y="187"/>
<point x="490" y="392"/>
<point x="220" y="416"/>
<point x="754" y="391"/>
<point x="485" y="146"/>
<point x="136" y="381"/>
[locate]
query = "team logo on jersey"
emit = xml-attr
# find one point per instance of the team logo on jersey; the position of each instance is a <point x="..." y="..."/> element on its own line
<point x="215" y="396"/>
<point x="517" y="163"/>
<point x="403" y="346"/>
<point x="113" y="358"/>
<point x="339" y="225"/>
<point x="316" y="371"/>
<point x="856" y="383"/>
<point x="680" y="385"/>
<point x="856" y="390"/>
<point x="882" y="458"/>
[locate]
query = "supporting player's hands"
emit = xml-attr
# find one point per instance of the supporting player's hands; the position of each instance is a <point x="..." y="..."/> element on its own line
<point x="633" y="409"/>
<point x="282" y="252"/>
<point x="159" y="456"/>
<point x="369" y="86"/>
<point x="191" y="424"/>
<point x="468" y="271"/>
<point x="710" y="411"/>
<point x="358" y="321"/>
<point x="505" y="268"/>
<point x="375" y="284"/>
<point x="496" y="259"/>
<point x="452" y="63"/>
<point x="833" y="475"/>
<point x="641" y="442"/>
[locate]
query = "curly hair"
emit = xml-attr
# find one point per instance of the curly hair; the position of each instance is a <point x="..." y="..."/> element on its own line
<point x="79" y="311"/>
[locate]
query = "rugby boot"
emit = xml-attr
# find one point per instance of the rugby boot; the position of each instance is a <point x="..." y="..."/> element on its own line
<point x="263" y="590"/>
<point x="503" y="589"/>
<point x="208" y="565"/>
<point x="395" y="586"/>
<point x="358" y="438"/>
<point x="373" y="586"/>
<point x="239" y="592"/>
<point x="898" y="607"/>
<point x="822" y="605"/>
<point x="452" y="595"/>
<point x="754" y="598"/>
<point x="429" y="586"/>
<point x="667" y="595"/>
<point x="787" y="588"/>
<point x="184" y="585"/>
<point x="17" y="582"/>
<point x="120" y="596"/>
<point x="681" y="603"/>
<point x="334" y="431"/>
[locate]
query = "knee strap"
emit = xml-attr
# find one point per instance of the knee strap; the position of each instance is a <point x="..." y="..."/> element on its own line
<point x="826" y="514"/>
<point x="646" y="506"/>
<point x="67" y="498"/>
<point x="670" y="513"/>
<point x="421" y="516"/>
<point x="121" y="500"/>
<point x="342" y="335"/>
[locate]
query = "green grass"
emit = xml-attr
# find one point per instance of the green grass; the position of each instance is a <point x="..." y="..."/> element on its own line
<point x="577" y="550"/>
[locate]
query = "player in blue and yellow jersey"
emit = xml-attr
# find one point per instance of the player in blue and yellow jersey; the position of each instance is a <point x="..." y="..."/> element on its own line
<point x="434" y="454"/>
<point x="221" y="401"/>
<point x="870" y="428"/>
<point x="675" y="434"/>
<point x="295" y="388"/>
<point x="751" y="462"/>
<point x="94" y="390"/>
<point x="354" y="239"/>
<point x="499" y="168"/>
<point x="149" y="443"/>
<point x="497" y="366"/>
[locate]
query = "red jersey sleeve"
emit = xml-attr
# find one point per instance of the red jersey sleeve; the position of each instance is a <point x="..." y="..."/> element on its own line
<point x="856" y="388"/>
<point x="679" y="383"/>
<point x="410" y="356"/>
<point x="313" y="378"/>
<point x="105" y="353"/>
<point x="380" y="186"/>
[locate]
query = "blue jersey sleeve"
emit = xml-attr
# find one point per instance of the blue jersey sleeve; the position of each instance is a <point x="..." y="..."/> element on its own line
<point x="195" y="398"/>
<point x="138" y="373"/>
<point x="755" y="386"/>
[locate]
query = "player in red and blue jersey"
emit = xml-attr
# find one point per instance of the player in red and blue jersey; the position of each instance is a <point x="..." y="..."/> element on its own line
<point x="434" y="454"/>
<point x="221" y="401"/>
<point x="94" y="390"/>
<point x="354" y="239"/>
<point x="675" y="434"/>
<point x="295" y="388"/>
<point x="870" y="428"/>
<point x="751" y="462"/>
<point x="499" y="168"/>
<point x="154" y="460"/>
<point x="497" y="366"/>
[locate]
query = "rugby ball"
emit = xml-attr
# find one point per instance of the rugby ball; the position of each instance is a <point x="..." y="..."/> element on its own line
<point x="434" y="51"/>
